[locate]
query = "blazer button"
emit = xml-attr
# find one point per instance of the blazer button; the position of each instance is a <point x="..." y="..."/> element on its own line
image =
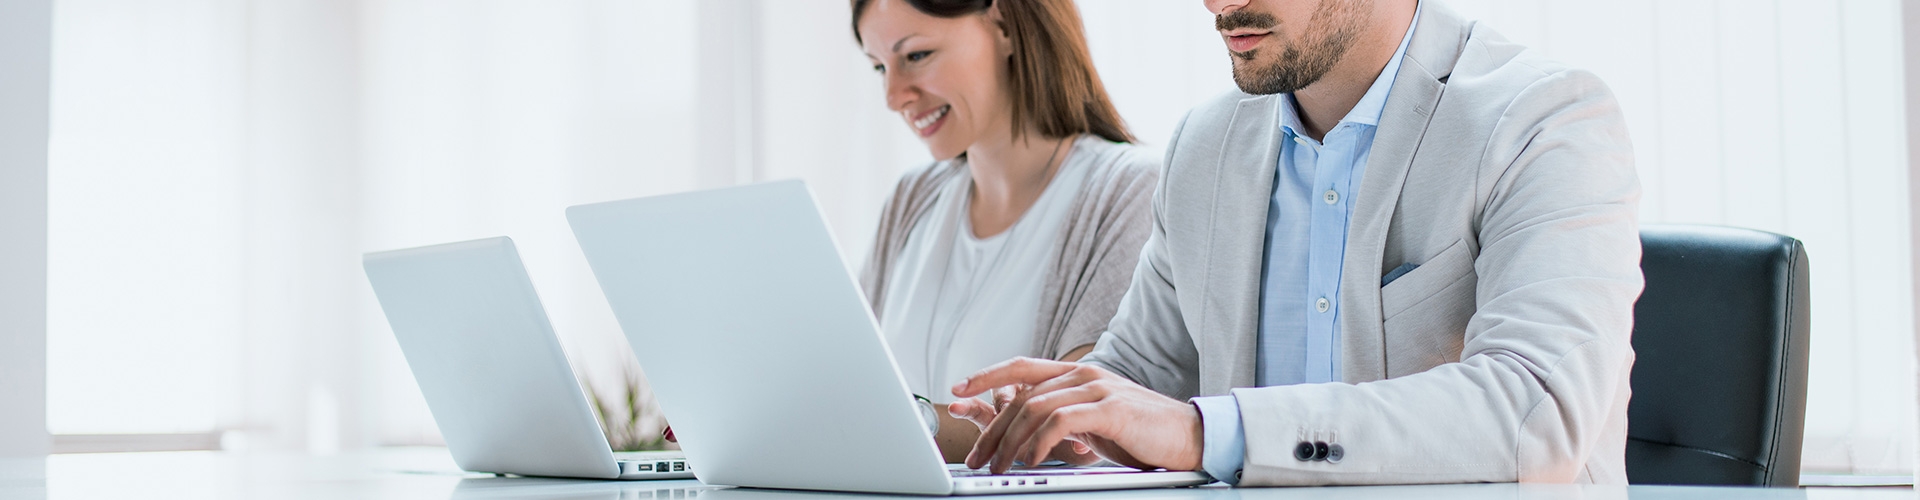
<point x="1335" y="453"/>
<point x="1320" y="451"/>
<point x="1303" y="452"/>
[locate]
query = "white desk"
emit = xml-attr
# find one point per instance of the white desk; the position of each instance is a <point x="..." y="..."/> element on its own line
<point x="428" y="473"/>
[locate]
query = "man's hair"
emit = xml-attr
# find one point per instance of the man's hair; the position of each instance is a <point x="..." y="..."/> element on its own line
<point x="1055" y="88"/>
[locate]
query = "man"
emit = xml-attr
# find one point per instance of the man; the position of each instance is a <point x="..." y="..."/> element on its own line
<point x="1408" y="253"/>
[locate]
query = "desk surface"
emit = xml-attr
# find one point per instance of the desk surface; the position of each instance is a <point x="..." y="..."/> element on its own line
<point x="430" y="473"/>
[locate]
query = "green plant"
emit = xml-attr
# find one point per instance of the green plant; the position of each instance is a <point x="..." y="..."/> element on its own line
<point x="632" y="422"/>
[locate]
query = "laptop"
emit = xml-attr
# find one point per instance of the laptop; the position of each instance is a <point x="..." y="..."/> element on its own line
<point x="762" y="347"/>
<point x="491" y="369"/>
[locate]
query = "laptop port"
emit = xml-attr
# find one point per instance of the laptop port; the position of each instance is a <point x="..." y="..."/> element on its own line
<point x="644" y="467"/>
<point x="679" y="466"/>
<point x="1039" y="482"/>
<point x="659" y="466"/>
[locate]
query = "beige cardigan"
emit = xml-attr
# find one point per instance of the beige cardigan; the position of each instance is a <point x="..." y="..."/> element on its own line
<point x="1094" y="256"/>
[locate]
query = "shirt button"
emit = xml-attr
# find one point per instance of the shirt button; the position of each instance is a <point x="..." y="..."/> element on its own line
<point x="1320" y="451"/>
<point x="1322" y="305"/>
<point x="1331" y="197"/>
<point x="1336" y="453"/>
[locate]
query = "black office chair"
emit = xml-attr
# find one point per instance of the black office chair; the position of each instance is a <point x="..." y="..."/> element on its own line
<point x="1720" y="384"/>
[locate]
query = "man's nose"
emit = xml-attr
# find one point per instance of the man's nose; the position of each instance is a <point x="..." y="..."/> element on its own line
<point x="1221" y="7"/>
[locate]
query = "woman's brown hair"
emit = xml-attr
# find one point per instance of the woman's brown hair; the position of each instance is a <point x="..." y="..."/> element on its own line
<point x="1055" y="88"/>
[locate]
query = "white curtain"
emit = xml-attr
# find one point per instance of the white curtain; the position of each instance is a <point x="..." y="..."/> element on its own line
<point x="219" y="165"/>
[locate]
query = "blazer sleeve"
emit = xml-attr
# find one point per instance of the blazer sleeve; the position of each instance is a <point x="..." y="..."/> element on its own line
<point x="1147" y="340"/>
<point x="1546" y="354"/>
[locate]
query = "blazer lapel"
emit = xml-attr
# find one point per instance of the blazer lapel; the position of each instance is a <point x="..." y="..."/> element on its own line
<point x="1416" y="92"/>
<point x="1248" y="156"/>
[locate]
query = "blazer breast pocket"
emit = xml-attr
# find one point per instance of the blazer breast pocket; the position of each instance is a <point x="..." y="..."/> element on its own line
<point x="1426" y="310"/>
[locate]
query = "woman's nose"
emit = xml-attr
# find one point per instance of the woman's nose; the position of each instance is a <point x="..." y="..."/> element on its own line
<point x="899" y="92"/>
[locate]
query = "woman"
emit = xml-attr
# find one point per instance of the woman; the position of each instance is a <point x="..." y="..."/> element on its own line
<point x="1021" y="238"/>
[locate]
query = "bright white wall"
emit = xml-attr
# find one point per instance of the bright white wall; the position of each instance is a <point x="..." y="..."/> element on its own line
<point x="490" y="118"/>
<point x="25" y="27"/>
<point x="258" y="147"/>
<point x="297" y="214"/>
<point x="204" y="246"/>
<point x="145" y="244"/>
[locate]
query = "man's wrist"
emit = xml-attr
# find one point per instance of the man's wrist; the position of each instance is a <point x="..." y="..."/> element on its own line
<point x="1196" y="441"/>
<point x="1223" y="441"/>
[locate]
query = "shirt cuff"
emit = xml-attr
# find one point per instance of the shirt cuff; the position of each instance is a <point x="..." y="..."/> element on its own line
<point x="1224" y="450"/>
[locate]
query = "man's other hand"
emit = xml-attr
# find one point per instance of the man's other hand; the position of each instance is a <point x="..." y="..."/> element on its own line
<point x="1054" y="401"/>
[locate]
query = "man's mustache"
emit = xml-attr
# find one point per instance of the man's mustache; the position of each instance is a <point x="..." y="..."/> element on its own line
<point x="1243" y="19"/>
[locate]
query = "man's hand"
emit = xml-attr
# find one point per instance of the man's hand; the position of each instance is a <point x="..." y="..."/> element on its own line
<point x="981" y="415"/>
<point x="1055" y="401"/>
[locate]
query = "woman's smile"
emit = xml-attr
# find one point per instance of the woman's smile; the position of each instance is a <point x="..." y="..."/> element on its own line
<point x="928" y="123"/>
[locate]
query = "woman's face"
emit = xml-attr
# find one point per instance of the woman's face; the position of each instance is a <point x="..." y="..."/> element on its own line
<point x="943" y="76"/>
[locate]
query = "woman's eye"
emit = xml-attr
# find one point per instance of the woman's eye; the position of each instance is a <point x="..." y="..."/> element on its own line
<point x="880" y="68"/>
<point x="917" y="55"/>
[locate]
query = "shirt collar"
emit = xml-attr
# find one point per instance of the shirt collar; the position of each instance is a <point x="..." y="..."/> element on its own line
<point x="1373" y="104"/>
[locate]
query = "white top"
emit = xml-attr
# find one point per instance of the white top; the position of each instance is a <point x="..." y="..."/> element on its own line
<point x="961" y="303"/>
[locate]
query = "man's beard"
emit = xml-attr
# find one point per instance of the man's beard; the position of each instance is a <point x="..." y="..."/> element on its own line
<point x="1329" y="34"/>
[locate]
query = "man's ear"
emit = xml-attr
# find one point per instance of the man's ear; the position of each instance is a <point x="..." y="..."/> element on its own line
<point x="1002" y="40"/>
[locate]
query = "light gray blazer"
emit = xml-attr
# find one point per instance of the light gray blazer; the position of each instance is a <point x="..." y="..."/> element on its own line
<point x="1508" y="179"/>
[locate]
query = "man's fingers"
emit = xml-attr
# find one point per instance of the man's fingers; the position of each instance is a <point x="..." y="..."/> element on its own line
<point x="1062" y="423"/>
<point x="1028" y="371"/>
<point x="1073" y="452"/>
<point x="1079" y="375"/>
<point x="989" y="442"/>
<point x="1037" y="409"/>
<point x="972" y="410"/>
<point x="963" y="408"/>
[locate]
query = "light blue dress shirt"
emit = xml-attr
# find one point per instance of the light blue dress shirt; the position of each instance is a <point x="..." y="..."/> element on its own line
<point x="1314" y="188"/>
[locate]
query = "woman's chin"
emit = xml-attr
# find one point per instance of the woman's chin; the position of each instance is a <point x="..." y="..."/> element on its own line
<point x="945" y="153"/>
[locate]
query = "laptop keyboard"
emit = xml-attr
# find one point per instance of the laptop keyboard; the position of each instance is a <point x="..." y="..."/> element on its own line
<point x="985" y="472"/>
<point x="1043" y="471"/>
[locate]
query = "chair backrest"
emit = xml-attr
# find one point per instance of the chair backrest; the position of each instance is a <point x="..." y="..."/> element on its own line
<point x="1720" y="383"/>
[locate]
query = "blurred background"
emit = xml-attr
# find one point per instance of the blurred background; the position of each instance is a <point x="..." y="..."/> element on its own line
<point x="218" y="167"/>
